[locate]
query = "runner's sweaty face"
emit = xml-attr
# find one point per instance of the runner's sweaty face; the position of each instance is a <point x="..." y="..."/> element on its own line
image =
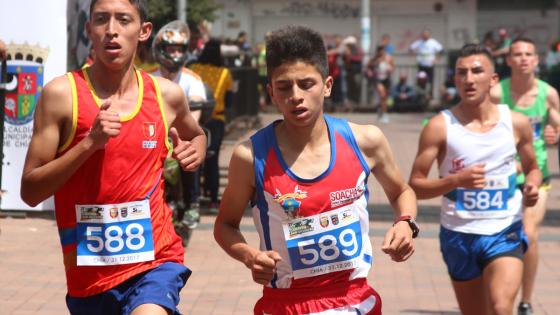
<point x="474" y="77"/>
<point x="115" y="28"/>
<point x="298" y="90"/>
<point x="523" y="59"/>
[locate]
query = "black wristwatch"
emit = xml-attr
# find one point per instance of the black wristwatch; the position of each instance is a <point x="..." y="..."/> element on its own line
<point x="413" y="225"/>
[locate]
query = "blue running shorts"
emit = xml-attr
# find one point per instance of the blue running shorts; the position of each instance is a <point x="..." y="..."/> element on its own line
<point x="466" y="255"/>
<point x="160" y="286"/>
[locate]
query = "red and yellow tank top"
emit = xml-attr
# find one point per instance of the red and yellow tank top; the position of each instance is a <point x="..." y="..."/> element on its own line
<point x="101" y="210"/>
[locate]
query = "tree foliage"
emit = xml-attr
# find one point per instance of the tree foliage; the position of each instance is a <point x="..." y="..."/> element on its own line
<point x="202" y="10"/>
<point x="164" y="11"/>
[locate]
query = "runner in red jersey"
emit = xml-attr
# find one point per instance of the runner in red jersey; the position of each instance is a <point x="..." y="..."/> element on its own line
<point x="99" y="142"/>
<point x="306" y="179"/>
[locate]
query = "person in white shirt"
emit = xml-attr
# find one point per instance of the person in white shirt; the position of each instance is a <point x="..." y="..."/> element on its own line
<point x="428" y="52"/>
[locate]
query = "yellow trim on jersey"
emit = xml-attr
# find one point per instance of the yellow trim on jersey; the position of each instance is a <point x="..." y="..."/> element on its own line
<point x="138" y="102"/>
<point x="161" y="108"/>
<point x="74" y="113"/>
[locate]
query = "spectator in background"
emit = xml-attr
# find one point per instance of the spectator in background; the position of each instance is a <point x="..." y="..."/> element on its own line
<point x="264" y="98"/>
<point x="500" y="53"/>
<point x="403" y="94"/>
<point x="553" y="65"/>
<point x="245" y="54"/>
<point x="488" y="41"/>
<point x="423" y="90"/>
<point x="337" y="70"/>
<point x="210" y="67"/>
<point x="386" y="42"/>
<point x="381" y="64"/>
<point x="353" y="56"/>
<point x="428" y="51"/>
<point x="448" y="91"/>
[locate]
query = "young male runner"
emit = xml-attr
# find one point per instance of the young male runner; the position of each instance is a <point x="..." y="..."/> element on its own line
<point x="99" y="144"/>
<point x="475" y="144"/>
<point x="306" y="179"/>
<point x="536" y="99"/>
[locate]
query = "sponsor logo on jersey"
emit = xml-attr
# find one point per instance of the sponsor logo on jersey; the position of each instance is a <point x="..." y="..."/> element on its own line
<point x="347" y="215"/>
<point x="136" y="211"/>
<point x="300" y="226"/>
<point x="457" y="165"/>
<point x="149" y="144"/>
<point x="346" y="196"/>
<point x="91" y="213"/>
<point x="334" y="219"/>
<point x="290" y="202"/>
<point x="114" y="212"/>
<point x="124" y="212"/>
<point x="324" y="221"/>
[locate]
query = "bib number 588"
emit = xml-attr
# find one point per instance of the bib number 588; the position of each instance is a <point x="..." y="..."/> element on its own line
<point x="113" y="239"/>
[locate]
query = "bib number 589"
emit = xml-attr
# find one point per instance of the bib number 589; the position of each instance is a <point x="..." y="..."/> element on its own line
<point x="328" y="247"/>
<point x="113" y="239"/>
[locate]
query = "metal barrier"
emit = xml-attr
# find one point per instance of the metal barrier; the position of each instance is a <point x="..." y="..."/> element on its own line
<point x="245" y="105"/>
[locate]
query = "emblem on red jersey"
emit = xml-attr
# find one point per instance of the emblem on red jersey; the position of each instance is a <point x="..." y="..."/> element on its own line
<point x="114" y="212"/>
<point x="334" y="219"/>
<point x="124" y="212"/>
<point x="324" y="221"/>
<point x="149" y="129"/>
<point x="290" y="202"/>
<point x="457" y="165"/>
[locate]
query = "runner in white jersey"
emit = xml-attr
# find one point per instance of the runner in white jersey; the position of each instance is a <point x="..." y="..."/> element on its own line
<point x="475" y="143"/>
<point x="170" y="50"/>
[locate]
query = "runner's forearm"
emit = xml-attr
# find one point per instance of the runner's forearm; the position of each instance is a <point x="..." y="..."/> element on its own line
<point x="42" y="182"/>
<point x="430" y="188"/>
<point x="233" y="242"/>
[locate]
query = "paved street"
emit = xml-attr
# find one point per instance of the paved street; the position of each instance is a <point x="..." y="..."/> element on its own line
<point x="32" y="275"/>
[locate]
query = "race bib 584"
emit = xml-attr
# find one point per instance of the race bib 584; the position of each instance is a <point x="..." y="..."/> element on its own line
<point x="493" y="197"/>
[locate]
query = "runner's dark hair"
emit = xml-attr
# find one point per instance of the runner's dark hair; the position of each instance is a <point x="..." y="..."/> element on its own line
<point x="141" y="6"/>
<point x="475" y="49"/>
<point x="296" y="43"/>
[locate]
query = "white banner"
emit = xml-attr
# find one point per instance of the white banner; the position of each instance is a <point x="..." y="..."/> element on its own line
<point x="35" y="33"/>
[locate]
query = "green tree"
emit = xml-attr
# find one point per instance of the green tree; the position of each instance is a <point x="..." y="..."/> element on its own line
<point x="164" y="11"/>
<point x="161" y="12"/>
<point x="202" y="10"/>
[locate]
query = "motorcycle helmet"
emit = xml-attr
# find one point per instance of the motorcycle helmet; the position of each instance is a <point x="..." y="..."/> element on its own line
<point x="170" y="46"/>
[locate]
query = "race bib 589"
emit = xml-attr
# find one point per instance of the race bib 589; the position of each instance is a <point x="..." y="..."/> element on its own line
<point x="324" y="243"/>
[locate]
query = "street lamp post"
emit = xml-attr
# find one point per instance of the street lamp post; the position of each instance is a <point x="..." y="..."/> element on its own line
<point x="182" y="10"/>
<point x="365" y="23"/>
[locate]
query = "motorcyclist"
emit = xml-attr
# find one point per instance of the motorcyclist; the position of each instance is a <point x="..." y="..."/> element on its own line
<point x="170" y="51"/>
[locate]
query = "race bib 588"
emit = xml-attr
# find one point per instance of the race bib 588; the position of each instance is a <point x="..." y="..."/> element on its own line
<point x="114" y="234"/>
